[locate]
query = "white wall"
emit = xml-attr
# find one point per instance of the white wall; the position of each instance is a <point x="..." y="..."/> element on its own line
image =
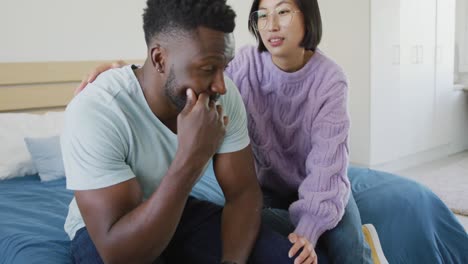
<point x="346" y="39"/>
<point x="66" y="30"/>
<point x="241" y="33"/>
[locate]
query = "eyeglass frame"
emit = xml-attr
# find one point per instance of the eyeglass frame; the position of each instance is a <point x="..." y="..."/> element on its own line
<point x="275" y="13"/>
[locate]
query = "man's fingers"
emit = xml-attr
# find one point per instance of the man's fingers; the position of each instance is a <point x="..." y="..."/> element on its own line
<point x="211" y="104"/>
<point x="190" y="101"/>
<point x="219" y="109"/>
<point x="221" y="115"/>
<point x="204" y="99"/>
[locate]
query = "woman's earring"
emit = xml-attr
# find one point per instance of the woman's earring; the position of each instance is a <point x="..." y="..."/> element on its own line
<point x="159" y="70"/>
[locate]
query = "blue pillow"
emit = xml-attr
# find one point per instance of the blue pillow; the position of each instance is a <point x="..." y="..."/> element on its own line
<point x="47" y="157"/>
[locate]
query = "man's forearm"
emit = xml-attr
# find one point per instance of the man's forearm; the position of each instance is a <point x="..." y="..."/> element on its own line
<point x="152" y="222"/>
<point x="240" y="225"/>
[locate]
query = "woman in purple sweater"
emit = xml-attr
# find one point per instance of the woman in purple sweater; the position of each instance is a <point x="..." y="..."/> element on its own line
<point x="296" y="100"/>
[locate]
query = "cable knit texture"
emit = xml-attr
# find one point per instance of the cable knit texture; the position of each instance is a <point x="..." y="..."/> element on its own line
<point x="299" y="125"/>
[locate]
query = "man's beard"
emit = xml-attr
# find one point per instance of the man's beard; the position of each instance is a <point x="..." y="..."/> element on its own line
<point x="169" y="90"/>
<point x="179" y="101"/>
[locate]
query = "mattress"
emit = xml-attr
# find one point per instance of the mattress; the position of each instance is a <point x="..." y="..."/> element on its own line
<point x="32" y="214"/>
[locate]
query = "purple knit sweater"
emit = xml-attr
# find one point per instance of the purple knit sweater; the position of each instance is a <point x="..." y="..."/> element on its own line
<point x="298" y="124"/>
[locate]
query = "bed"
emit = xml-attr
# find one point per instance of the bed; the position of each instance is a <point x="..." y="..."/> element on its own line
<point x="33" y="211"/>
<point x="32" y="218"/>
<point x="413" y="224"/>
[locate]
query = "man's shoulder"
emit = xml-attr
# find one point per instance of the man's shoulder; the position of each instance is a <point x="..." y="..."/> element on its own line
<point x="91" y="102"/>
<point x="232" y="92"/>
<point x="96" y="108"/>
<point x="101" y="94"/>
<point x="109" y="84"/>
<point x="89" y="119"/>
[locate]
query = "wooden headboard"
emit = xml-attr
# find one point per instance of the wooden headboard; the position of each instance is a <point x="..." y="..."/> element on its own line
<point x="41" y="86"/>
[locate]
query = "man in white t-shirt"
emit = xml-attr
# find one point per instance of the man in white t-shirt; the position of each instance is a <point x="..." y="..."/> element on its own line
<point x="137" y="139"/>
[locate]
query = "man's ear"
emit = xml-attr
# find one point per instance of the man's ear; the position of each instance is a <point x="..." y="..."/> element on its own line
<point x="158" y="55"/>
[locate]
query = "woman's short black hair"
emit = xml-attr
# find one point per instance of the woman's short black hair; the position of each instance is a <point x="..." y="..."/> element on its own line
<point x="172" y="16"/>
<point x="312" y="24"/>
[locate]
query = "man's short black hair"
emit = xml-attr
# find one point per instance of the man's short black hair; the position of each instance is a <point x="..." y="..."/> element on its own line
<point x="312" y="23"/>
<point x="173" y="16"/>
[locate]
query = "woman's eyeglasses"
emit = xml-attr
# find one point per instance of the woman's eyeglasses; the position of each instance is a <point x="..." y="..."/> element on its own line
<point x="283" y="16"/>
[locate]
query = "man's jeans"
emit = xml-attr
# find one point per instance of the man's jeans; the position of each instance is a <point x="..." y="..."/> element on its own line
<point x="343" y="244"/>
<point x="196" y="240"/>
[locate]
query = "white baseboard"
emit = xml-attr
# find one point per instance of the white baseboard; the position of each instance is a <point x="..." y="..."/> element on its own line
<point x="418" y="158"/>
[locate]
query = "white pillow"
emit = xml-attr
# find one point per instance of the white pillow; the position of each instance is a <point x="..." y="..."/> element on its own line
<point x="15" y="160"/>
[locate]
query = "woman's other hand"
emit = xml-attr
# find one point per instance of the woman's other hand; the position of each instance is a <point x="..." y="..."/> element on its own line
<point x="91" y="76"/>
<point x="308" y="255"/>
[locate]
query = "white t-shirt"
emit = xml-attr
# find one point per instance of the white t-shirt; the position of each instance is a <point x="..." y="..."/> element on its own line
<point x="111" y="136"/>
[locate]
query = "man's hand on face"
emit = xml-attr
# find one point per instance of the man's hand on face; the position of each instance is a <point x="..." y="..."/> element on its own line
<point x="201" y="127"/>
<point x="91" y="76"/>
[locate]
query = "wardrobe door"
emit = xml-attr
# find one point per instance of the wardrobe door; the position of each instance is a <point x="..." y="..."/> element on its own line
<point x="444" y="65"/>
<point x="462" y="32"/>
<point x="417" y="75"/>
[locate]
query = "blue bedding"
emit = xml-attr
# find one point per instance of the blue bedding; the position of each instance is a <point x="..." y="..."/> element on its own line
<point x="414" y="226"/>
<point x="32" y="214"/>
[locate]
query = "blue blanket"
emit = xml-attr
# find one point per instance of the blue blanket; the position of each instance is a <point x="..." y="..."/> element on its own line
<point x="32" y="215"/>
<point x="414" y="226"/>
